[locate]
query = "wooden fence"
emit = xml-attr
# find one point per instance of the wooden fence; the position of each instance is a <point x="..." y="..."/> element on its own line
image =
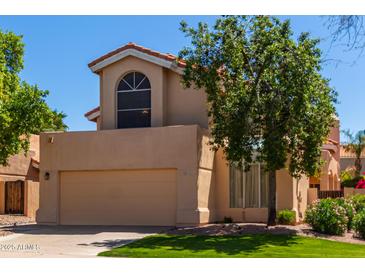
<point x="323" y="194"/>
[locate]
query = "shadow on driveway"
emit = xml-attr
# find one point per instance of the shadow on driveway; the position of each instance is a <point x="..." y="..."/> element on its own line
<point x="110" y="243"/>
<point x="81" y="230"/>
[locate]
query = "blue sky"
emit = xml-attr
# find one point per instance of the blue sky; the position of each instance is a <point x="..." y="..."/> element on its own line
<point x="58" y="49"/>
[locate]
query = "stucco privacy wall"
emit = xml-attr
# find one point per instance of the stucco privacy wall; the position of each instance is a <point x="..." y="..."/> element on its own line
<point x="290" y="194"/>
<point x="20" y="168"/>
<point x="31" y="198"/>
<point x="2" y="197"/>
<point x="175" y="147"/>
<point x="19" y="164"/>
<point x="171" y="104"/>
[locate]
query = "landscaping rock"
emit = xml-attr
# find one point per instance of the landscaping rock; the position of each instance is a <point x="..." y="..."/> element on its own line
<point x="14" y="219"/>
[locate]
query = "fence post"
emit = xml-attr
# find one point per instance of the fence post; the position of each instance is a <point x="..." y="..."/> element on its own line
<point x="312" y="195"/>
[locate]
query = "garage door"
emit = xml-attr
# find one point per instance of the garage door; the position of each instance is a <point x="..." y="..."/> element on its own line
<point x="143" y="197"/>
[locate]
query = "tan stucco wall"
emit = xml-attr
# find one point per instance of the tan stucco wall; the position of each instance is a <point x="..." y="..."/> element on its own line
<point x="206" y="181"/>
<point x="20" y="168"/>
<point x="300" y="196"/>
<point x="185" y="106"/>
<point x="20" y="164"/>
<point x="177" y="147"/>
<point x="2" y="197"/>
<point x="31" y="198"/>
<point x="312" y="195"/>
<point x="335" y="136"/>
<point x="350" y="191"/>
<point x="170" y="103"/>
<point x="329" y="177"/>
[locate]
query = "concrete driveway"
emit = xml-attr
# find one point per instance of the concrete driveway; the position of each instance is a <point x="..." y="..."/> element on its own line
<point x="68" y="241"/>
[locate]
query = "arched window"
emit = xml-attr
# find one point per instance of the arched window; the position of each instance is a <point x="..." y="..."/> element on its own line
<point x="134" y="101"/>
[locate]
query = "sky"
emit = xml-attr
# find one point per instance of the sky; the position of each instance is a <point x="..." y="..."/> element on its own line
<point x="58" y="49"/>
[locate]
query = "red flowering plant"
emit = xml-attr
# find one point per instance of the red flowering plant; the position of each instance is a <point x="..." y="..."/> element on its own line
<point x="361" y="182"/>
<point x="354" y="181"/>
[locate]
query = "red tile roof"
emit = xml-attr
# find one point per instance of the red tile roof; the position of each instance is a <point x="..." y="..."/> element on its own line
<point x="92" y="111"/>
<point x="165" y="56"/>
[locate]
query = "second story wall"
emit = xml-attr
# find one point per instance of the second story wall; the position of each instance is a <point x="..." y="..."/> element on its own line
<point x="184" y="106"/>
<point x="171" y="104"/>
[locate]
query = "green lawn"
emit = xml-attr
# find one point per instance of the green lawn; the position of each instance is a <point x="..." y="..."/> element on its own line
<point x="245" y="246"/>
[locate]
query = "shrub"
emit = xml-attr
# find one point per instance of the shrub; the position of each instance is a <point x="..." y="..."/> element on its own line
<point x="286" y="217"/>
<point x="359" y="223"/>
<point x="351" y="182"/>
<point x="327" y="216"/>
<point x="349" y="207"/>
<point x="358" y="201"/>
<point x="227" y="220"/>
<point x="346" y="175"/>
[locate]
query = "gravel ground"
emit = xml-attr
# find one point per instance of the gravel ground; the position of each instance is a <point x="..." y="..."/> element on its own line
<point x="11" y="219"/>
<point x="240" y="229"/>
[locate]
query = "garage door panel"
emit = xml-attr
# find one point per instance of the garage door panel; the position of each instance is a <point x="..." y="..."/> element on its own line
<point x="144" y="197"/>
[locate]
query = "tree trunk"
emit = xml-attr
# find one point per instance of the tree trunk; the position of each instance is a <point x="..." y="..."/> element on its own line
<point x="358" y="166"/>
<point x="271" y="221"/>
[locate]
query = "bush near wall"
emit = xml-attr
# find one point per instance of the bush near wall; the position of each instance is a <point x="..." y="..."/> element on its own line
<point x="359" y="202"/>
<point x="334" y="216"/>
<point x="359" y="223"/>
<point x="327" y="216"/>
<point x="286" y="217"/>
<point x="350" y="209"/>
<point x="352" y="182"/>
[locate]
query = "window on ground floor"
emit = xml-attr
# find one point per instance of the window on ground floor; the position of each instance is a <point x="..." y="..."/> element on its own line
<point x="249" y="189"/>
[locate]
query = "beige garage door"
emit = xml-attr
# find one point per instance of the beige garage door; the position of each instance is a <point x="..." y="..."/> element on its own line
<point x="143" y="197"/>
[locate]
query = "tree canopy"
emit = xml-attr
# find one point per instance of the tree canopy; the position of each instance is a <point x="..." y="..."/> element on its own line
<point x="267" y="99"/>
<point x="23" y="109"/>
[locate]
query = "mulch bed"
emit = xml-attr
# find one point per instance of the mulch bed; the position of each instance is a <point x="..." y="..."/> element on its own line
<point x="241" y="229"/>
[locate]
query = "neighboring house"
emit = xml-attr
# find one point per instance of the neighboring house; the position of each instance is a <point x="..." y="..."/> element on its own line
<point x="19" y="182"/>
<point x="329" y="177"/>
<point x="347" y="160"/>
<point x="149" y="161"/>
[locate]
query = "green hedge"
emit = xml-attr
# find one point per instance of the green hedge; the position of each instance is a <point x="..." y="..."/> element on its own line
<point x="350" y="209"/>
<point x="327" y="216"/>
<point x="286" y="217"/>
<point x="359" y="223"/>
<point x="359" y="202"/>
<point x="335" y="216"/>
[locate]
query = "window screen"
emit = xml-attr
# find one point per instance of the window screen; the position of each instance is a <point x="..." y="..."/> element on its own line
<point x="134" y="101"/>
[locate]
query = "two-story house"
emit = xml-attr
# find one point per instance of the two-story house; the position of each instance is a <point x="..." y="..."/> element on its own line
<point x="149" y="161"/>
